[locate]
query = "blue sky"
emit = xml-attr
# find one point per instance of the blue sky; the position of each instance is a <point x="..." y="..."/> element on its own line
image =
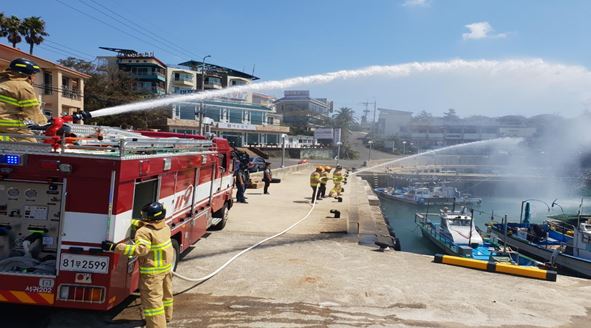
<point x="282" y="39"/>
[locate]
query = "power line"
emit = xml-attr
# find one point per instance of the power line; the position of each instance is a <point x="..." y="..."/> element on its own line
<point x="79" y="52"/>
<point x="144" y="30"/>
<point x="127" y="25"/>
<point x="66" y="52"/>
<point x="114" y="27"/>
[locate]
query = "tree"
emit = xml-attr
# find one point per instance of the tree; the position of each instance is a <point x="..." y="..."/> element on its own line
<point x="451" y="115"/>
<point x="3" y="32"/>
<point x="423" y="117"/>
<point x="343" y="118"/>
<point x="33" y="29"/>
<point x="13" y="29"/>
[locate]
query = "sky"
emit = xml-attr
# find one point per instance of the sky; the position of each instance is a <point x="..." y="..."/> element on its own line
<point x="284" y="39"/>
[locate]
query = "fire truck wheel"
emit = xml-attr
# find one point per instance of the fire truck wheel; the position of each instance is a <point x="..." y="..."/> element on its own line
<point x="223" y="214"/>
<point x="176" y="254"/>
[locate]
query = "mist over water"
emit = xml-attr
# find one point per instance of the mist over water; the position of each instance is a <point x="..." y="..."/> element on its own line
<point x="530" y="69"/>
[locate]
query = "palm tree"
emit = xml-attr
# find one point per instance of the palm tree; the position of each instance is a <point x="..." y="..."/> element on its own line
<point x="13" y="29"/>
<point x="2" y="23"/>
<point x="34" y="31"/>
<point x="344" y="118"/>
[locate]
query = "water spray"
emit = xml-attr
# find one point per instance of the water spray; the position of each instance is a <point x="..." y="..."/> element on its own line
<point x="401" y="70"/>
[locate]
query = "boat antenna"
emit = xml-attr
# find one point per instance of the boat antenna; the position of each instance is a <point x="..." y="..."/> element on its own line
<point x="505" y="239"/>
<point x="453" y="208"/>
<point x="471" y="222"/>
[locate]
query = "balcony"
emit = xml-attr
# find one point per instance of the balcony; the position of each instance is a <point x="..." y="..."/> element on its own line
<point x="70" y="93"/>
<point x="183" y="82"/>
<point x="149" y="76"/>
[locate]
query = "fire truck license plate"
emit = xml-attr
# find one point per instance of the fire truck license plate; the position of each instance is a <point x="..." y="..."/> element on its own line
<point x="84" y="263"/>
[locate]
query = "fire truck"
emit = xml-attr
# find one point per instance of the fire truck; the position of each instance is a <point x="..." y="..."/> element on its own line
<point x="60" y="199"/>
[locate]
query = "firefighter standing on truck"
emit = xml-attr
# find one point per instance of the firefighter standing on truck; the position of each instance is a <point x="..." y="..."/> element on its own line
<point x="19" y="106"/>
<point x="153" y="247"/>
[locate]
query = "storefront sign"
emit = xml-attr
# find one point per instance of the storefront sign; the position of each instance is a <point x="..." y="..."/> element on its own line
<point x="236" y="126"/>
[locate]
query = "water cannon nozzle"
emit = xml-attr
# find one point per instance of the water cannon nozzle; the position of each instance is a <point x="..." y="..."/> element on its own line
<point x="81" y="116"/>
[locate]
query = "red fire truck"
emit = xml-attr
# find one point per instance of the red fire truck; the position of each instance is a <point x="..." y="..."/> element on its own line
<point x="57" y="203"/>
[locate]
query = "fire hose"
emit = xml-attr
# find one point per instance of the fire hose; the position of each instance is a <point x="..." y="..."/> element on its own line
<point x="223" y="266"/>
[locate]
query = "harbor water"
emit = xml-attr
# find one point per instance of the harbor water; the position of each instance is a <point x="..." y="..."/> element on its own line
<point x="400" y="216"/>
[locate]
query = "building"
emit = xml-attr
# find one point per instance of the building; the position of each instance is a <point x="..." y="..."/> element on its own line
<point x="61" y="89"/>
<point x="242" y="118"/>
<point x="180" y="80"/>
<point x="439" y="132"/>
<point x="148" y="71"/>
<point x="302" y="112"/>
<point x="391" y="121"/>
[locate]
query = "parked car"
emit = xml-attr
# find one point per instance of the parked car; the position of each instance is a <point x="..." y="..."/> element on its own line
<point x="256" y="164"/>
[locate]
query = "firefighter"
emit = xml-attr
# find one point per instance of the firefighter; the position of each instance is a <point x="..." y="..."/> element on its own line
<point x="19" y="106"/>
<point x="324" y="177"/>
<point x="153" y="247"/>
<point x="337" y="179"/>
<point x="315" y="182"/>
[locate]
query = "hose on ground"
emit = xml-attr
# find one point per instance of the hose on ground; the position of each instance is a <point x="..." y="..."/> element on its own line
<point x="204" y="278"/>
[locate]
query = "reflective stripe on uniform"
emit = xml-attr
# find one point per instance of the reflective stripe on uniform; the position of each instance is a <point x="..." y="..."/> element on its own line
<point x="144" y="242"/>
<point x="153" y="312"/>
<point x="129" y="250"/>
<point x="167" y="302"/>
<point x="19" y="103"/>
<point x="4" y="138"/>
<point x="156" y="270"/>
<point x="9" y="100"/>
<point x="163" y="245"/>
<point x="11" y="123"/>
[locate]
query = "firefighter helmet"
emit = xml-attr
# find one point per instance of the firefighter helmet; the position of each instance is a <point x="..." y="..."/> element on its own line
<point x="153" y="212"/>
<point x="24" y="66"/>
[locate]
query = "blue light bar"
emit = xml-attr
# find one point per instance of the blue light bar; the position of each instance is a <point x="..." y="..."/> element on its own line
<point x="11" y="159"/>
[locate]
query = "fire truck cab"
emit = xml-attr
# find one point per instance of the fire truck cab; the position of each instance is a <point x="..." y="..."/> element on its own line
<point x="57" y="204"/>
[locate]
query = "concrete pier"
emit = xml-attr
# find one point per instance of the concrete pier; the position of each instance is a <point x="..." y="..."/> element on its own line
<point x="318" y="275"/>
<point x="327" y="272"/>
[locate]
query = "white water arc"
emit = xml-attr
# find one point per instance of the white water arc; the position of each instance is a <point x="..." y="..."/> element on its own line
<point x="499" y="141"/>
<point x="401" y="70"/>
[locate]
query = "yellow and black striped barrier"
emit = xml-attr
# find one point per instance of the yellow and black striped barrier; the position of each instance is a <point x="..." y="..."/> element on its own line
<point x="507" y="268"/>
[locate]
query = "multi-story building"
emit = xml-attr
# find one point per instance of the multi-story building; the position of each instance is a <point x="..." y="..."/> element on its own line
<point x="148" y="71"/>
<point x="242" y="118"/>
<point x="438" y="132"/>
<point x="391" y="121"/>
<point x="302" y="112"/>
<point x="61" y="89"/>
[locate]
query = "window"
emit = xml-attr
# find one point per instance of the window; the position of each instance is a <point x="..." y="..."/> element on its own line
<point x="213" y="80"/>
<point x="212" y="112"/>
<point x="272" y="138"/>
<point x="47" y="83"/>
<point x="235" y="116"/>
<point x="269" y="120"/>
<point x="252" y="138"/>
<point x="238" y="82"/>
<point x="256" y="118"/>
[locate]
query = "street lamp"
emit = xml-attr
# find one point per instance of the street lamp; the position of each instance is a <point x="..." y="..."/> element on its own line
<point x="338" y="151"/>
<point x="283" y="136"/>
<point x="202" y="88"/>
<point x="369" y="155"/>
<point x="530" y="200"/>
<point x="403" y="147"/>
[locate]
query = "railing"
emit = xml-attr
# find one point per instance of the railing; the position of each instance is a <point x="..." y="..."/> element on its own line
<point x="429" y="227"/>
<point x="114" y="144"/>
<point x="70" y="93"/>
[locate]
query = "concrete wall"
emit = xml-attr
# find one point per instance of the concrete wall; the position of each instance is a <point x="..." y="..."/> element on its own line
<point x="281" y="172"/>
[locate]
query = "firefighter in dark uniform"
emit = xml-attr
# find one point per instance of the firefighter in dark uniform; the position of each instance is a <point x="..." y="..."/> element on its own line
<point x="19" y="106"/>
<point x="153" y="247"/>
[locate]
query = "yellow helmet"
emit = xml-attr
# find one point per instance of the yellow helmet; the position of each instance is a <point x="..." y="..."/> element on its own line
<point x="327" y="168"/>
<point x="319" y="168"/>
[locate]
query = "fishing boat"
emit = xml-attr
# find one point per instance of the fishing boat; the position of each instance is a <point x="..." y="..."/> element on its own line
<point x="565" y="246"/>
<point x="456" y="234"/>
<point x="422" y="195"/>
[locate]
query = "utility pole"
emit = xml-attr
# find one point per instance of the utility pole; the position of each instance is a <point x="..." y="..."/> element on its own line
<point x="202" y="88"/>
<point x="372" y="129"/>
